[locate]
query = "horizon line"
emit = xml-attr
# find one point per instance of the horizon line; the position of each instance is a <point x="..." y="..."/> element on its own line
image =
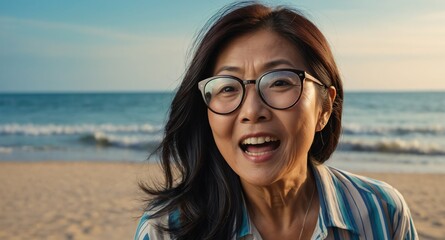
<point x="174" y="90"/>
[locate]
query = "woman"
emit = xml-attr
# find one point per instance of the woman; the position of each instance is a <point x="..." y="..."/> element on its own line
<point x="257" y="114"/>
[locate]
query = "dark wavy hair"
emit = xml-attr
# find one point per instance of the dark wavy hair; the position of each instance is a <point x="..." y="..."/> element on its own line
<point x="198" y="181"/>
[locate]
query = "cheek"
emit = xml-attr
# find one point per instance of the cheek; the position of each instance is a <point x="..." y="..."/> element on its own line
<point x="222" y="130"/>
<point x="300" y="126"/>
<point x="310" y="108"/>
<point x="300" y="132"/>
<point x="302" y="118"/>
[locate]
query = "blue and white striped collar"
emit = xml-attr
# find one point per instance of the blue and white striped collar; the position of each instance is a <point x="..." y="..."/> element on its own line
<point x="246" y="227"/>
<point x="334" y="208"/>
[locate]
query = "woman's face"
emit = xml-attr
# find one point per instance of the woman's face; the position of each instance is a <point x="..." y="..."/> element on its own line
<point x="248" y="57"/>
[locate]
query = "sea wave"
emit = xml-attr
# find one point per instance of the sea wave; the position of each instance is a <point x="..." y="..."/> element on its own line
<point x="356" y="129"/>
<point x="392" y="146"/>
<point x="55" y="129"/>
<point x="30" y="148"/>
<point x="6" y="150"/>
<point x="139" y="142"/>
<point x="147" y="142"/>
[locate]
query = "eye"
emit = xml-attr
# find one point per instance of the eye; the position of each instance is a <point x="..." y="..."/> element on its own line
<point x="227" y="89"/>
<point x="281" y="83"/>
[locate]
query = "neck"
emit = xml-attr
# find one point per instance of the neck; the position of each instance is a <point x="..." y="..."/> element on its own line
<point x="282" y="203"/>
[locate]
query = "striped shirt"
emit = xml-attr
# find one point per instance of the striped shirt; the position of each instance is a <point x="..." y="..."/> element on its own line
<point x="351" y="207"/>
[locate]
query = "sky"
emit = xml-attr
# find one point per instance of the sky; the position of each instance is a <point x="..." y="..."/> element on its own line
<point x="110" y="45"/>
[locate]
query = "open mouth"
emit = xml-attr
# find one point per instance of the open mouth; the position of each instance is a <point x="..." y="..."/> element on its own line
<point x="257" y="146"/>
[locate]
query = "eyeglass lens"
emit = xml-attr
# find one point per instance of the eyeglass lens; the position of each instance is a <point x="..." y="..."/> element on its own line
<point x="279" y="90"/>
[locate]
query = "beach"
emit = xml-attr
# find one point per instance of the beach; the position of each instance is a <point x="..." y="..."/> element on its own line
<point x="101" y="200"/>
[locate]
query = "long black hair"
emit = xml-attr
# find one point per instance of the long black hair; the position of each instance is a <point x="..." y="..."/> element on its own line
<point x="207" y="193"/>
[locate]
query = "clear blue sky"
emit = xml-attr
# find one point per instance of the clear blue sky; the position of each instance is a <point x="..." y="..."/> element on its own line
<point x="110" y="45"/>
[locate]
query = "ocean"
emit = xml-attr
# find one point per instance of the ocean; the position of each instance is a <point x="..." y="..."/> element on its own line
<point x="382" y="131"/>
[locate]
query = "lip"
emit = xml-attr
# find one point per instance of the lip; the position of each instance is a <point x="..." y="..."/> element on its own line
<point x="260" y="134"/>
<point x="260" y="158"/>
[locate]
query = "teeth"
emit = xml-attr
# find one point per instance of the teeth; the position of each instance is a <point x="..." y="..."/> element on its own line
<point x="257" y="153"/>
<point x="258" y="140"/>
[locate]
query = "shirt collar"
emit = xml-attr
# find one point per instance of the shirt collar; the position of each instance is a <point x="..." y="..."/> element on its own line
<point x="246" y="228"/>
<point x="335" y="210"/>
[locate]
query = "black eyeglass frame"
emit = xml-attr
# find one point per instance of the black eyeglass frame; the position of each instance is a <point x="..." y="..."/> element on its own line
<point x="303" y="75"/>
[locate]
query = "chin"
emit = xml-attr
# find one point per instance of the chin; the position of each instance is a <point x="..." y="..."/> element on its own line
<point x="258" y="178"/>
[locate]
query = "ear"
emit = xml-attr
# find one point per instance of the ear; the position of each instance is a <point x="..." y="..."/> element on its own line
<point x="326" y="110"/>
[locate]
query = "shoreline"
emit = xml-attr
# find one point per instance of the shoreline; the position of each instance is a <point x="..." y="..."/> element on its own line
<point x="101" y="200"/>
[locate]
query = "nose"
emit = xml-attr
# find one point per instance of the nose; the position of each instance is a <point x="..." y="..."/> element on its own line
<point x="253" y="109"/>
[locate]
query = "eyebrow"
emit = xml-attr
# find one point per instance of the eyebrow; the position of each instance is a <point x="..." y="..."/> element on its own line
<point x="229" y="69"/>
<point x="268" y="65"/>
<point x="278" y="62"/>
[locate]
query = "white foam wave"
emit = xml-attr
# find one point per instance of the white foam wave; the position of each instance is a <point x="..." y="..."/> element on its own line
<point x="125" y="141"/>
<point x="55" y="129"/>
<point x="6" y="150"/>
<point x="392" y="146"/>
<point x="28" y="148"/>
<point x="356" y="129"/>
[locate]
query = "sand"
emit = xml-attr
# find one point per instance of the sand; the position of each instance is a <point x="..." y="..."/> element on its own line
<point x="99" y="200"/>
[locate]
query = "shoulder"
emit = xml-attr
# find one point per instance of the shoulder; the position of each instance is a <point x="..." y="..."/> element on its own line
<point x="357" y="186"/>
<point x="150" y="228"/>
<point x="386" y="201"/>
<point x="370" y="189"/>
<point x="371" y="202"/>
<point x="374" y="194"/>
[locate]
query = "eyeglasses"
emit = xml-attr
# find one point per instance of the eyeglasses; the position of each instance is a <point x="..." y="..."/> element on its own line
<point x="278" y="89"/>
